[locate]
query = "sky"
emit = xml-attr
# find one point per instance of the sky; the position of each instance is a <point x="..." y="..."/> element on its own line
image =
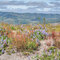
<point x="30" y="6"/>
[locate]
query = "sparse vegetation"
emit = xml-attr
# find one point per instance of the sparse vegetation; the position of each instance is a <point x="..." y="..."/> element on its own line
<point x="27" y="39"/>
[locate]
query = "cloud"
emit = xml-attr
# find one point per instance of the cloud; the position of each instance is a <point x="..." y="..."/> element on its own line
<point x="38" y="4"/>
<point x="2" y="7"/>
<point x="32" y="7"/>
<point x="41" y="4"/>
<point x="57" y="0"/>
<point x="12" y="3"/>
<point x="56" y="4"/>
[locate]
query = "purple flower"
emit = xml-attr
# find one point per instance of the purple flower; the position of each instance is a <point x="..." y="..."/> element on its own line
<point x="45" y="28"/>
<point x="0" y="35"/>
<point x="46" y="52"/>
<point x="5" y="41"/>
<point x="37" y="33"/>
<point x="2" y="46"/>
<point x="22" y="25"/>
<point x="46" y="33"/>
<point x="50" y="51"/>
<point x="32" y="39"/>
<point x="33" y="30"/>
<point x="2" y="38"/>
<point x="33" y="36"/>
<point x="37" y="40"/>
<point x="43" y="32"/>
<point x="49" y="54"/>
<point x="2" y="50"/>
<point x="41" y="26"/>
<point x="57" y="54"/>
<point x="4" y="34"/>
<point x="54" y="50"/>
<point x="40" y="30"/>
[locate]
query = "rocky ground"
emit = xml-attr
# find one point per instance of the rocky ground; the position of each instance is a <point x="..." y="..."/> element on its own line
<point x="20" y="56"/>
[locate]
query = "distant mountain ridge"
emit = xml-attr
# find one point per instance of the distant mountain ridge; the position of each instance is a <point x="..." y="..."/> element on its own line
<point x="26" y="18"/>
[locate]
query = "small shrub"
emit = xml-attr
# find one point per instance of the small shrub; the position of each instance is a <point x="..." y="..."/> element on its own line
<point x="31" y="45"/>
<point x="39" y="34"/>
<point x="12" y="28"/>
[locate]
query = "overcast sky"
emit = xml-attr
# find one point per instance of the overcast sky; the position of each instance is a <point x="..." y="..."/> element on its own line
<point x="30" y="6"/>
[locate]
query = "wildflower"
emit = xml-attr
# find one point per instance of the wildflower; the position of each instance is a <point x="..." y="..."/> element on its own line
<point x="22" y="25"/>
<point x="2" y="50"/>
<point x="54" y="50"/>
<point x="43" y="32"/>
<point x="50" y="51"/>
<point x="4" y="34"/>
<point x="2" y="46"/>
<point x="33" y="30"/>
<point x="37" y="33"/>
<point x="37" y="41"/>
<point x="5" y="41"/>
<point x="42" y="49"/>
<point x="46" y="33"/>
<point x="57" y="54"/>
<point x="45" y="28"/>
<point x="49" y="54"/>
<point x="40" y="30"/>
<point x="40" y="26"/>
<point x="32" y="39"/>
<point x="33" y="36"/>
<point x="0" y="35"/>
<point x="46" y="51"/>
<point x="2" y="40"/>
